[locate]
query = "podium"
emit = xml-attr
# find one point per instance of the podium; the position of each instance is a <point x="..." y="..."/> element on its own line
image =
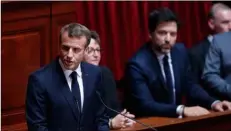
<point x="215" y="121"/>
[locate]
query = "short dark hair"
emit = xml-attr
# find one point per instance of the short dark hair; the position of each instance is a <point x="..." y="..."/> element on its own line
<point x="160" y="15"/>
<point x="95" y="36"/>
<point x="76" y="30"/>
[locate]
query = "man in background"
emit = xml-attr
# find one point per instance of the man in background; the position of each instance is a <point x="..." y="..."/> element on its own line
<point x="219" y="21"/>
<point x="92" y="55"/>
<point x="217" y="70"/>
<point x="158" y="75"/>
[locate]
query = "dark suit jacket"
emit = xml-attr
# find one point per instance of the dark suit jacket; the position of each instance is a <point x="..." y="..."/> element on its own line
<point x="197" y="56"/>
<point x="109" y="87"/>
<point x="149" y="95"/>
<point x="217" y="70"/>
<point x="50" y="105"/>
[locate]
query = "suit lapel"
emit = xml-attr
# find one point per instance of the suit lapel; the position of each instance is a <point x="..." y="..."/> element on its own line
<point x="175" y="67"/>
<point x="160" y="75"/>
<point x="157" y="68"/>
<point x="66" y="90"/>
<point x="85" y="77"/>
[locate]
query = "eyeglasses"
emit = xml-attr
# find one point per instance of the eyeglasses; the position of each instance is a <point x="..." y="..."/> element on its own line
<point x="92" y="50"/>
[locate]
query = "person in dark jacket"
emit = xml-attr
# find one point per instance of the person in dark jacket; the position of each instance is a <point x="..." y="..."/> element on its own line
<point x="61" y="96"/>
<point x="93" y="56"/>
<point x="219" y="21"/>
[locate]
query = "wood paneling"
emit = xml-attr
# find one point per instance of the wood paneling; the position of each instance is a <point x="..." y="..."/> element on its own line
<point x="30" y="39"/>
<point x="15" y="127"/>
<point x="14" y="11"/>
<point x="25" y="46"/>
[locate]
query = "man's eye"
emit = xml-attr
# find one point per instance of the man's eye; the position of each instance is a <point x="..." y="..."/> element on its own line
<point x="173" y="34"/>
<point x="76" y="49"/>
<point x="162" y="32"/>
<point x="90" y="50"/>
<point x="66" y="48"/>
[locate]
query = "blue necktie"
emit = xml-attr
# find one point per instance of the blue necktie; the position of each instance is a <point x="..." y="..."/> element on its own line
<point x="168" y="79"/>
<point x="75" y="89"/>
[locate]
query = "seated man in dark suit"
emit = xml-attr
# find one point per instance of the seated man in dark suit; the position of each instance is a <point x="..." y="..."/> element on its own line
<point x="219" y="20"/>
<point x="217" y="70"/>
<point x="62" y="95"/>
<point x="158" y="74"/>
<point x="93" y="55"/>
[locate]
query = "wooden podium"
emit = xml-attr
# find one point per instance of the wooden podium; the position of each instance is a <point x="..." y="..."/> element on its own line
<point x="215" y="121"/>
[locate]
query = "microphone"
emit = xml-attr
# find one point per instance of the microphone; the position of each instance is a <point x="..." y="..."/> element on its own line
<point x="145" y="125"/>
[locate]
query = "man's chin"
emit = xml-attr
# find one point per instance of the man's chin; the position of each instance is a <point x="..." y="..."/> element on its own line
<point x="165" y="51"/>
<point x="70" y="67"/>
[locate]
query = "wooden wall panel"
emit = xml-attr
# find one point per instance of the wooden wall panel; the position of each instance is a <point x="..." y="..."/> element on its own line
<point x="30" y="39"/>
<point x="13" y="11"/>
<point x="25" y="47"/>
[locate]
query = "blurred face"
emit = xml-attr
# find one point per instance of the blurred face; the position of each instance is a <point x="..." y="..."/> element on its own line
<point x="92" y="53"/>
<point x="221" y="22"/>
<point x="72" y="51"/>
<point x="164" y="37"/>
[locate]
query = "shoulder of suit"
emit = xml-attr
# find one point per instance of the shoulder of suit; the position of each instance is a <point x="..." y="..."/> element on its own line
<point x="45" y="70"/>
<point x="142" y="53"/>
<point x="179" y="46"/>
<point x="222" y="40"/>
<point x="106" y="70"/>
<point x="90" y="66"/>
<point x="198" y="47"/>
<point x="199" y="44"/>
<point x="226" y="35"/>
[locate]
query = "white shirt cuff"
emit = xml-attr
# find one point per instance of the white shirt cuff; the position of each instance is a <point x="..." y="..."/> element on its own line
<point x="216" y="101"/>
<point x="180" y="110"/>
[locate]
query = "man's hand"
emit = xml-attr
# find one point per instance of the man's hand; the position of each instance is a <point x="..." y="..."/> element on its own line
<point x="129" y="122"/>
<point x="120" y="121"/>
<point x="195" y="111"/>
<point x="221" y="106"/>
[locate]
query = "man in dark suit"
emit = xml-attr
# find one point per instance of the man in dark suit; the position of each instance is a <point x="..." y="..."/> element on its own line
<point x="158" y="74"/>
<point x="62" y="95"/>
<point x="219" y="21"/>
<point x="217" y="70"/>
<point x="92" y="55"/>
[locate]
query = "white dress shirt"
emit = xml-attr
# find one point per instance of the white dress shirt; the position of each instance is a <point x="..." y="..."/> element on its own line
<point x="210" y="38"/>
<point x="160" y="58"/>
<point x="180" y="108"/>
<point x="67" y="74"/>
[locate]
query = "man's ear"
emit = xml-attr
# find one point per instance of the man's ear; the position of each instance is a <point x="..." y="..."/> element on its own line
<point x="211" y="24"/>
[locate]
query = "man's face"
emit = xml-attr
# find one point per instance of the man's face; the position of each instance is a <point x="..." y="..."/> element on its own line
<point x="72" y="50"/>
<point x="221" y="22"/>
<point x="164" y="37"/>
<point x="92" y="53"/>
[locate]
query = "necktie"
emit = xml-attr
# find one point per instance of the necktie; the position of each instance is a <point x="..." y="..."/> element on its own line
<point x="168" y="79"/>
<point x="75" y="89"/>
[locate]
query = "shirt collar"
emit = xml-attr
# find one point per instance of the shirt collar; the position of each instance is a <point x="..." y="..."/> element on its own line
<point x="210" y="38"/>
<point x="68" y="72"/>
<point x="160" y="56"/>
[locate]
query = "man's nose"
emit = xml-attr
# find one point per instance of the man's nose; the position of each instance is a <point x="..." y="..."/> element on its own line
<point x="95" y="54"/>
<point x="167" y="38"/>
<point x="70" y="53"/>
